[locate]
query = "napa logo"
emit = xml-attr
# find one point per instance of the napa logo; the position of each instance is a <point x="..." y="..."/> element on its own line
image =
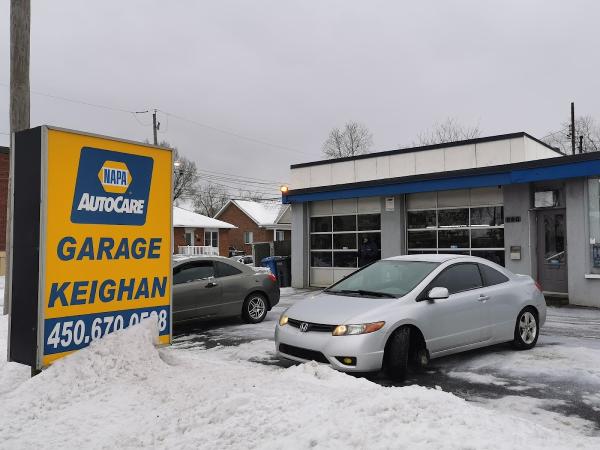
<point x="112" y="188"/>
<point x="114" y="177"/>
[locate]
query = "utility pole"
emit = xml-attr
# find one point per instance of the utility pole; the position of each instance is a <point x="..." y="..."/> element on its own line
<point x="20" y="22"/>
<point x="155" y="127"/>
<point x="573" y="127"/>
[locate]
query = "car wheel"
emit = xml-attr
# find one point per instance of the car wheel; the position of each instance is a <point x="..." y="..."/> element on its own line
<point x="526" y="329"/>
<point x="255" y="308"/>
<point x="395" y="358"/>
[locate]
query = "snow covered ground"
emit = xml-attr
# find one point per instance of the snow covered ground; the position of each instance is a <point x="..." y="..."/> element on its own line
<point x="219" y="386"/>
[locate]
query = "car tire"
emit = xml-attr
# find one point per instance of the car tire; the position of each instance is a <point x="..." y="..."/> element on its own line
<point x="527" y="329"/>
<point x="255" y="308"/>
<point x="395" y="358"/>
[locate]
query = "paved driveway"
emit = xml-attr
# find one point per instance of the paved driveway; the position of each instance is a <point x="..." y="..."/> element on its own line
<point x="556" y="383"/>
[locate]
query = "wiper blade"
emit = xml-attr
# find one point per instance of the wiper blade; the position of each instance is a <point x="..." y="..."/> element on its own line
<point x="371" y="293"/>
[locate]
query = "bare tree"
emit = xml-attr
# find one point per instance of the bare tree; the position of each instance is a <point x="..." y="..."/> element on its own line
<point x="586" y="127"/>
<point x="354" y="139"/>
<point x="209" y="199"/>
<point x="185" y="173"/>
<point x="450" y="130"/>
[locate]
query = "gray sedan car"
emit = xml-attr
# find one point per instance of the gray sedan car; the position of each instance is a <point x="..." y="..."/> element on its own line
<point x="410" y="309"/>
<point x="210" y="287"/>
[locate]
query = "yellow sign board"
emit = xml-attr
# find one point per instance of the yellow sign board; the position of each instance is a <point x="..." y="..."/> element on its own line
<point x="105" y="242"/>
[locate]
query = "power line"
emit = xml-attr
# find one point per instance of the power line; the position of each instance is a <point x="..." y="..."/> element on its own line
<point x="232" y="133"/>
<point x="241" y="188"/>
<point x="238" y="181"/>
<point x="240" y="176"/>
<point x="81" y="102"/>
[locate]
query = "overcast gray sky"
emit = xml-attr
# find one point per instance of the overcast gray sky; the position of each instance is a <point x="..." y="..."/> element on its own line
<point x="286" y="72"/>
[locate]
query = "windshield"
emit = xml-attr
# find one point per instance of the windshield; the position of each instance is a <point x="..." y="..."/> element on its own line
<point x="387" y="278"/>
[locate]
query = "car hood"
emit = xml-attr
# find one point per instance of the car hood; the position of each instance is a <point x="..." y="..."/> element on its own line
<point x="339" y="309"/>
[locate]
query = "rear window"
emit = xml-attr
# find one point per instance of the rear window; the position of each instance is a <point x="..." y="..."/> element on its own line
<point x="459" y="278"/>
<point x="226" y="270"/>
<point x="492" y="276"/>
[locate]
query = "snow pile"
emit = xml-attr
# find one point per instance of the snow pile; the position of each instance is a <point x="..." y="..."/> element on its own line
<point x="123" y="392"/>
<point x="11" y="374"/>
<point x="544" y="362"/>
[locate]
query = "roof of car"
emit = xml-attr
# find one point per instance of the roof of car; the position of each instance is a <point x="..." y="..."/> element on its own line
<point x="427" y="257"/>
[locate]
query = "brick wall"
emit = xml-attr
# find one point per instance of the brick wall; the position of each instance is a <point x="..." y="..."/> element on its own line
<point x="235" y="216"/>
<point x="4" y="169"/>
<point x="179" y="237"/>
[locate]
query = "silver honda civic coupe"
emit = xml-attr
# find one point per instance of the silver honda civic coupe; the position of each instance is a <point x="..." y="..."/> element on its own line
<point x="405" y="310"/>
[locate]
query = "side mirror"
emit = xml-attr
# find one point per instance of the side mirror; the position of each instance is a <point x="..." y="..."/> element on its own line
<point x="438" y="293"/>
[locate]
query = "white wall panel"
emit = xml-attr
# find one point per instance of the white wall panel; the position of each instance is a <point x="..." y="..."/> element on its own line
<point x="398" y="165"/>
<point x="342" y="172"/>
<point x="365" y="169"/>
<point x="429" y="161"/>
<point x="300" y="178"/>
<point x="321" y="277"/>
<point x="492" y="153"/>
<point x="320" y="175"/>
<point x="402" y="165"/>
<point x="458" y="158"/>
<point x="517" y="150"/>
<point x="383" y="167"/>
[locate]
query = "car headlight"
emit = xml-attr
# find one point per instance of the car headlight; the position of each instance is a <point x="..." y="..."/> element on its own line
<point x="283" y="320"/>
<point x="363" y="328"/>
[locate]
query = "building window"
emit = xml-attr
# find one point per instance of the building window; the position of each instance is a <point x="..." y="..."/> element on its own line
<point x="345" y="240"/>
<point x="248" y="237"/>
<point x="280" y="235"/>
<point x="594" y="223"/>
<point x="474" y="230"/>
<point x="211" y="239"/>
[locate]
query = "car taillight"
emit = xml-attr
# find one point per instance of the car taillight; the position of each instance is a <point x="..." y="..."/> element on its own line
<point x="272" y="277"/>
<point x="539" y="286"/>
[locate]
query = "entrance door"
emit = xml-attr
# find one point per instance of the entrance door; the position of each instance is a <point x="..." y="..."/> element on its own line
<point x="552" y="250"/>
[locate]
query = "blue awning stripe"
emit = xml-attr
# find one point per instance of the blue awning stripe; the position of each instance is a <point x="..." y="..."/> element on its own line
<point x="517" y="176"/>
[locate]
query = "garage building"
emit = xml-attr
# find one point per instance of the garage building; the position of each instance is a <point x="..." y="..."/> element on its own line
<point x="510" y="198"/>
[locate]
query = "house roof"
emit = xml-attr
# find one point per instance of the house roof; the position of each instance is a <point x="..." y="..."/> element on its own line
<point x="184" y="218"/>
<point x="263" y="214"/>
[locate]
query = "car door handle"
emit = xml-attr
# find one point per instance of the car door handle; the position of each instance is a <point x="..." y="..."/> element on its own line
<point x="483" y="298"/>
<point x="211" y="284"/>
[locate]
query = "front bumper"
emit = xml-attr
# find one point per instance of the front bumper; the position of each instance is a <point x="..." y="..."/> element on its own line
<point x="366" y="348"/>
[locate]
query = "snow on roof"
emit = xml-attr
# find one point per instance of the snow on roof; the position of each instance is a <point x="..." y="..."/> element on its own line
<point x="184" y="218"/>
<point x="264" y="214"/>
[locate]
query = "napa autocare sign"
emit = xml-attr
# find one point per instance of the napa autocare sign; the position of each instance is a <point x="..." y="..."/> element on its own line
<point x="91" y="241"/>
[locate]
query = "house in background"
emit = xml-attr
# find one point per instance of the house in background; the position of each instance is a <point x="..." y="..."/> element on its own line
<point x="195" y="234"/>
<point x="256" y="222"/>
